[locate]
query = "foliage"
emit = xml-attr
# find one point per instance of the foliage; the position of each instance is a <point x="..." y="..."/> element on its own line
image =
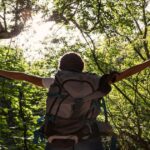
<point x="116" y="37"/>
<point x="21" y="104"/>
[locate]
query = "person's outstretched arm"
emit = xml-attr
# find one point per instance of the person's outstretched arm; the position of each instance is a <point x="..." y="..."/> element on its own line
<point x="128" y="72"/>
<point x="22" y="76"/>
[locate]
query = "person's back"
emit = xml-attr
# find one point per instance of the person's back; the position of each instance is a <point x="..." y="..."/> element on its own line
<point x="73" y="105"/>
<point x="72" y="99"/>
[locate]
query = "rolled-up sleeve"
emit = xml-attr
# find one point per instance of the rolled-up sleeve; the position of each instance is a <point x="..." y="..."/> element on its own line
<point x="104" y="85"/>
<point x="47" y="82"/>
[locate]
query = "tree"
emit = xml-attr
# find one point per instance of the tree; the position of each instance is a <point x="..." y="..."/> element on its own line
<point x="21" y="104"/>
<point x="116" y="38"/>
<point x="14" y="15"/>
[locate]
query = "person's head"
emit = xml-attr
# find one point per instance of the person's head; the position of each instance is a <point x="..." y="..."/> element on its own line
<point x="71" y="62"/>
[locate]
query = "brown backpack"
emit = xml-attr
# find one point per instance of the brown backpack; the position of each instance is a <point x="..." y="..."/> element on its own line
<point x="72" y="100"/>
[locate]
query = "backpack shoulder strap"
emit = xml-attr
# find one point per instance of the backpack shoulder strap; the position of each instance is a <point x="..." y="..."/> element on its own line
<point x="95" y="95"/>
<point x="103" y="104"/>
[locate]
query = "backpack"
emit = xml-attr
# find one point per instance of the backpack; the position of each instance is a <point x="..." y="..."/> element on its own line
<point x="73" y="100"/>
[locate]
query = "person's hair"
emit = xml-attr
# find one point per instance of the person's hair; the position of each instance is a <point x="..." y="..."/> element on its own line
<point x="71" y="62"/>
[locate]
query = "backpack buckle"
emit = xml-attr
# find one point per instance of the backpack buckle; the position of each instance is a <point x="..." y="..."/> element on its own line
<point x="66" y="137"/>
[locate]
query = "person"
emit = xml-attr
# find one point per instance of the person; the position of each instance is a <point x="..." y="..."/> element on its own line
<point x="72" y="65"/>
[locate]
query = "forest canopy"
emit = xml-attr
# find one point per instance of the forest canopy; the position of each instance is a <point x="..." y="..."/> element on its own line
<point x="114" y="35"/>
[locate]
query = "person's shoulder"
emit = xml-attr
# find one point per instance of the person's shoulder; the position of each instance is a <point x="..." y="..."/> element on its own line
<point x="91" y="74"/>
<point x="47" y="81"/>
<point x="66" y="74"/>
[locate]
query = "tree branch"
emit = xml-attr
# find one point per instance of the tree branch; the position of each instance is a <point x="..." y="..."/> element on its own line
<point x="4" y="14"/>
<point x="137" y="24"/>
<point x="22" y="115"/>
<point x="145" y="42"/>
<point x="135" y="49"/>
<point x="16" y="31"/>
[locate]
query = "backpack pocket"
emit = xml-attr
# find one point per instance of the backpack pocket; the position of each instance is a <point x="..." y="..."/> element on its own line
<point x="62" y="107"/>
